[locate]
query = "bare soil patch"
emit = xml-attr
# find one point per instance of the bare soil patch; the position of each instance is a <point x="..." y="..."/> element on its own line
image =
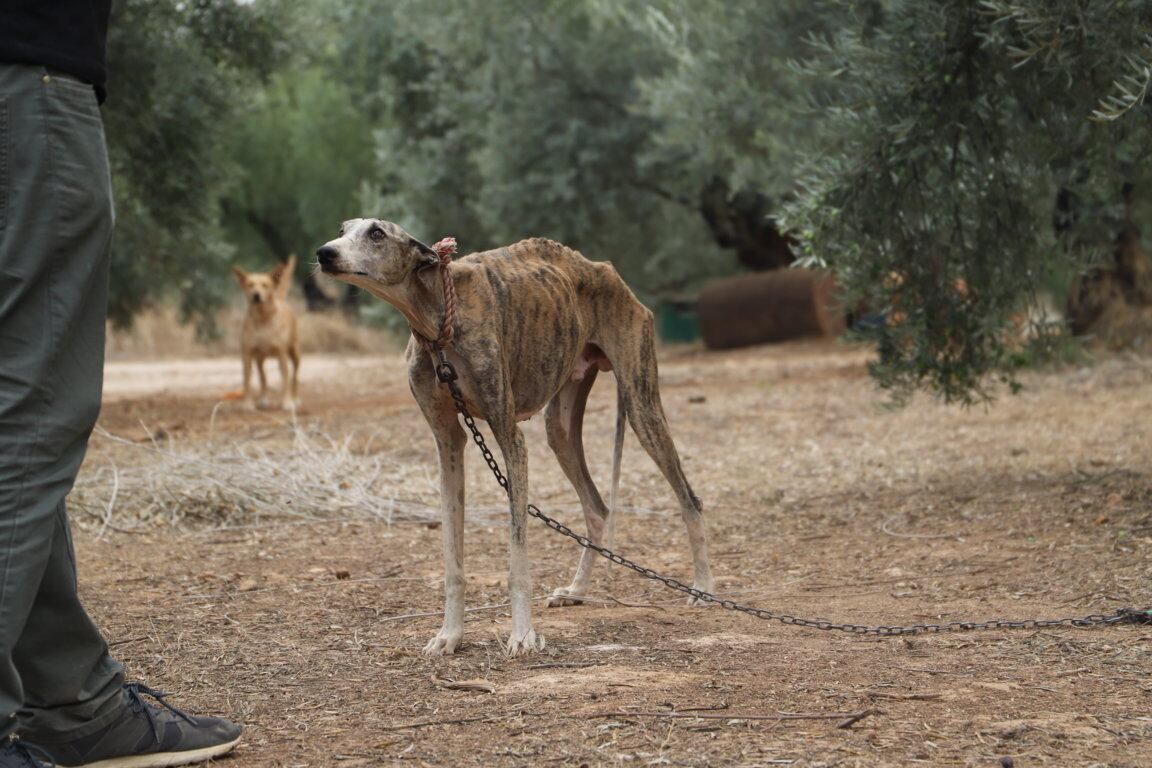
<point x="820" y="501"/>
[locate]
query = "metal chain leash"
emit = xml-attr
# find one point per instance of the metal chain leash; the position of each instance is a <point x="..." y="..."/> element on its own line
<point x="447" y="374"/>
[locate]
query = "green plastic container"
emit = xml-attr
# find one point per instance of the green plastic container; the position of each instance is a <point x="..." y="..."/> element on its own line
<point x="676" y="321"/>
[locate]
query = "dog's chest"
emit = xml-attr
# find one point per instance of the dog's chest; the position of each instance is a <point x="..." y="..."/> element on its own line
<point x="266" y="335"/>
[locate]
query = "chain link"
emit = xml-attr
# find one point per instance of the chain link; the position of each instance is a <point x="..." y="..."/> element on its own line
<point x="447" y="374"/>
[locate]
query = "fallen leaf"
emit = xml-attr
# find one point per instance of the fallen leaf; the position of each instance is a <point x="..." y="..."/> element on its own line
<point x="475" y="684"/>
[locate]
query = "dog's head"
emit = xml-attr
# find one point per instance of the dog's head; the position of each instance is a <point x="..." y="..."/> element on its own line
<point x="264" y="287"/>
<point x="373" y="254"/>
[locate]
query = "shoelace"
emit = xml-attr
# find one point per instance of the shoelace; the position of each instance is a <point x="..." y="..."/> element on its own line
<point x="31" y="755"/>
<point x="134" y="690"/>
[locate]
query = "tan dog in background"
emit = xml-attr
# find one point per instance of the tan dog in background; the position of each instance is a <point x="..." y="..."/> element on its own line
<point x="269" y="331"/>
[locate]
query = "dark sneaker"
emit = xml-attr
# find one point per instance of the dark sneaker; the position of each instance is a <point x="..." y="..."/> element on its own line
<point x="147" y="735"/>
<point x="17" y="754"/>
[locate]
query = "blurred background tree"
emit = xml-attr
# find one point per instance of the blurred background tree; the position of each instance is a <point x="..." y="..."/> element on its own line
<point x="731" y="114"/>
<point x="178" y="71"/>
<point x="954" y="161"/>
<point x="503" y="119"/>
<point x="979" y="153"/>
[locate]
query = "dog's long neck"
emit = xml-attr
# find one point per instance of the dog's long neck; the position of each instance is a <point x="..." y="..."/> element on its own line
<point x="420" y="299"/>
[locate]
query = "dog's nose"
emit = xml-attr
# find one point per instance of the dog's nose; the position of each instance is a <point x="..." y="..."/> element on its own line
<point x="327" y="255"/>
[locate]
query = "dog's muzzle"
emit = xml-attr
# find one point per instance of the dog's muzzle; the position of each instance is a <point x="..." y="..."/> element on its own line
<point x="327" y="256"/>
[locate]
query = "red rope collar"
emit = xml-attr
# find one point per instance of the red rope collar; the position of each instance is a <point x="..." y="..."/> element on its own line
<point x="444" y="250"/>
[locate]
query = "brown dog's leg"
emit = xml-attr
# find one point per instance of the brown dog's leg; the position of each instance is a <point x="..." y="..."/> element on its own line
<point x="294" y="353"/>
<point x="248" y="396"/>
<point x="287" y="398"/>
<point x="247" y="362"/>
<point x="262" y="401"/>
<point x="565" y="421"/>
<point x="636" y="373"/>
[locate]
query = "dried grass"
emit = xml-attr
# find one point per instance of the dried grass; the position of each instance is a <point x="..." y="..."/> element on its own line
<point x="164" y="481"/>
<point x="309" y="629"/>
<point x="249" y="484"/>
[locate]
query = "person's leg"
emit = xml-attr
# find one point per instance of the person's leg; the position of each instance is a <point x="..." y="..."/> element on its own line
<point x="55" y="232"/>
<point x="71" y="686"/>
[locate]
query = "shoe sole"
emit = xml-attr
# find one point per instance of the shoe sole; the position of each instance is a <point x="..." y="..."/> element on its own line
<point x="165" y="759"/>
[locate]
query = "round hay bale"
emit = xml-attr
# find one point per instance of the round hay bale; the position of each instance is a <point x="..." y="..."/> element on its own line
<point x="769" y="306"/>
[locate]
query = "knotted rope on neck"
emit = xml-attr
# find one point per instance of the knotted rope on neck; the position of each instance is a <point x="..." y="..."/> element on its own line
<point x="444" y="250"/>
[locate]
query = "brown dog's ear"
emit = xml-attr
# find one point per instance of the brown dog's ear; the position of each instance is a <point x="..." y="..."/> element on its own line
<point x="282" y="276"/>
<point x="240" y="275"/>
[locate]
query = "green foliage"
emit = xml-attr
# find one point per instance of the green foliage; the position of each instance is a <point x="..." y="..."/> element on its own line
<point x="301" y="150"/>
<point x="729" y="104"/>
<point x="958" y="123"/>
<point x="916" y="146"/>
<point x="177" y="71"/>
<point x="502" y="120"/>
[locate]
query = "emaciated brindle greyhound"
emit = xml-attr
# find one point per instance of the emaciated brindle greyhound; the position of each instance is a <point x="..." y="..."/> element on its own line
<point x="534" y="324"/>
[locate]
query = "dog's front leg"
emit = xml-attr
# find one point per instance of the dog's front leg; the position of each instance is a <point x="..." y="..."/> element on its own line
<point x="262" y="401"/>
<point x="523" y="639"/>
<point x="248" y="399"/>
<point x="450" y="443"/>
<point x="288" y="395"/>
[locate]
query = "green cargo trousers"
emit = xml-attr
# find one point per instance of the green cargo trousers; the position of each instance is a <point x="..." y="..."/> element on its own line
<point x="55" y="232"/>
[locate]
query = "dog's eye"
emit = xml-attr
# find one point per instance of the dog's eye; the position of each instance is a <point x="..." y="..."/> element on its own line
<point x="376" y="233"/>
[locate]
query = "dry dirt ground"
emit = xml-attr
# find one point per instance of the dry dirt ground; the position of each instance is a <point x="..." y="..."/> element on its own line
<point x="820" y="502"/>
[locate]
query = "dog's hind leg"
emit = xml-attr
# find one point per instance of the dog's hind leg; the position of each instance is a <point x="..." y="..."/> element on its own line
<point x="634" y="364"/>
<point x="565" y="421"/>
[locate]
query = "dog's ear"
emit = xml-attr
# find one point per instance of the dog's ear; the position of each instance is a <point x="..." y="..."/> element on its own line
<point x="282" y="276"/>
<point x="240" y="275"/>
<point x="284" y="268"/>
<point x="426" y="257"/>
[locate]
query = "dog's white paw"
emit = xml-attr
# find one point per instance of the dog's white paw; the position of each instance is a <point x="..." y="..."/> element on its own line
<point x="444" y="644"/>
<point x="249" y="403"/>
<point x="288" y="404"/>
<point x="527" y="643"/>
<point x="564" y="596"/>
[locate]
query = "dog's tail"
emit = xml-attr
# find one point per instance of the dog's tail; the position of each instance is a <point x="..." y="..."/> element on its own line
<point x="617" y="455"/>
